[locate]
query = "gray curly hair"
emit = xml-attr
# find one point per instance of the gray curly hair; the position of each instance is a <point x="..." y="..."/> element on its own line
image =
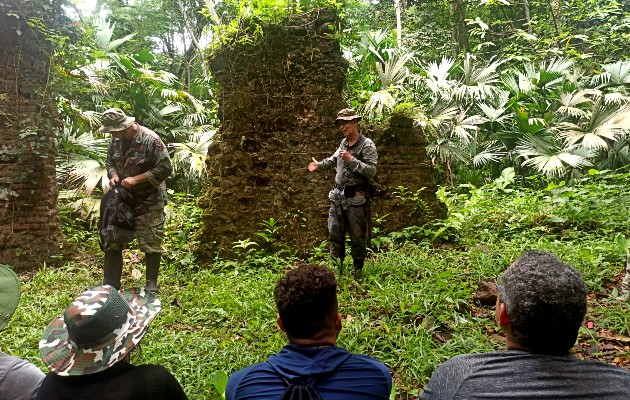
<point x="545" y="299"/>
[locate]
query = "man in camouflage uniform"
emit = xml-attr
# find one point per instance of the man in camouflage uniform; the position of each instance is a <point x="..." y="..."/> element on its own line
<point x="355" y="160"/>
<point x="138" y="160"/>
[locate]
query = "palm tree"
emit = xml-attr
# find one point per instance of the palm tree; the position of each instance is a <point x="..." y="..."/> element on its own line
<point x="546" y="156"/>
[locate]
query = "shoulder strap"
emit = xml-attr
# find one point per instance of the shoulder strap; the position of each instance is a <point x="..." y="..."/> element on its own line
<point x="300" y="388"/>
<point x="303" y="387"/>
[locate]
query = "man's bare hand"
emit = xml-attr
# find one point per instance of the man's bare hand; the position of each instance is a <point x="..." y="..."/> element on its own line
<point x="345" y="155"/>
<point x="115" y="179"/>
<point x="313" y="165"/>
<point x="129" y="182"/>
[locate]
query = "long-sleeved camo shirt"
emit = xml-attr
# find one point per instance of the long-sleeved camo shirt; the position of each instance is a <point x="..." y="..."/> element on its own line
<point x="358" y="170"/>
<point x="146" y="154"/>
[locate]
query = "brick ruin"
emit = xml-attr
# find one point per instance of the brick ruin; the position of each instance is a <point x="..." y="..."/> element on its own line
<point x="30" y="230"/>
<point x="278" y="102"/>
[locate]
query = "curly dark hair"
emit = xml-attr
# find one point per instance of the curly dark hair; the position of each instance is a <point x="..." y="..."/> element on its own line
<point x="306" y="298"/>
<point x="545" y="299"/>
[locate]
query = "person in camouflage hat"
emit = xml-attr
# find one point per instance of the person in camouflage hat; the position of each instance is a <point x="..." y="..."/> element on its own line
<point x="138" y="160"/>
<point x="87" y="348"/>
<point x="355" y="161"/>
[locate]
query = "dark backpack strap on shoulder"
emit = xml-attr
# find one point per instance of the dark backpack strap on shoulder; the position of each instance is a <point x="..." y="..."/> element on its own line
<point x="300" y="388"/>
<point x="303" y="387"/>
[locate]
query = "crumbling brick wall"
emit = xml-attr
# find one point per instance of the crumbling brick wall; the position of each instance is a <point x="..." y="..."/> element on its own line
<point x="29" y="220"/>
<point x="278" y="103"/>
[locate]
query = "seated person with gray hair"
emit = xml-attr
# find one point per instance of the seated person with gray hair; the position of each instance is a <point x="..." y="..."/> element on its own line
<point x="541" y="305"/>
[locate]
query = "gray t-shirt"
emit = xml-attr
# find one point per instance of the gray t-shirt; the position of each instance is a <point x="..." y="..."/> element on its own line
<point x="19" y="379"/>
<point x="514" y="374"/>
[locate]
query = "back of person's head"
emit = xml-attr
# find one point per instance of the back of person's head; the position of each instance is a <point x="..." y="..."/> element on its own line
<point x="545" y="300"/>
<point x="9" y="294"/>
<point x="306" y="298"/>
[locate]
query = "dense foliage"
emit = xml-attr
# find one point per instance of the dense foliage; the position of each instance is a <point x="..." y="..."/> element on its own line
<point x="527" y="107"/>
<point x="535" y="85"/>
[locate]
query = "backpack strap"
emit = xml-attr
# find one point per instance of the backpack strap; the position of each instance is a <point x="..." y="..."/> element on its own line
<point x="303" y="387"/>
<point x="300" y="388"/>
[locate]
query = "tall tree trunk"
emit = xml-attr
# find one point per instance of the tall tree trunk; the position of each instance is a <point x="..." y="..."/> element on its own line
<point x="528" y="19"/>
<point x="459" y="29"/>
<point x="398" y="8"/>
<point x="555" y="9"/>
<point x="193" y="36"/>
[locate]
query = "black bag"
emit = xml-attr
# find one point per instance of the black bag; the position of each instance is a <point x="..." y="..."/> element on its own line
<point x="116" y="217"/>
<point x="349" y="191"/>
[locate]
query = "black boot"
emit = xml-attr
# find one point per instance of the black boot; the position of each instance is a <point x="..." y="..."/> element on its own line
<point x="112" y="268"/>
<point x="338" y="263"/>
<point x="152" y="261"/>
<point x="358" y="268"/>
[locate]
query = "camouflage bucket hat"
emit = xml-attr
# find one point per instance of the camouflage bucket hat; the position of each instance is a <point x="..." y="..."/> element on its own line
<point x="347" y="114"/>
<point x="115" y="119"/>
<point x="9" y="294"/>
<point x="98" y="329"/>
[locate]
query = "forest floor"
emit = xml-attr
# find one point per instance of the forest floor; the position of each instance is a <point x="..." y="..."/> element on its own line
<point x="413" y="310"/>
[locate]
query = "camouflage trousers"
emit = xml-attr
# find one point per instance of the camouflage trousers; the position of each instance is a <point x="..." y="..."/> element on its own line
<point x="149" y="231"/>
<point x="352" y="220"/>
<point x="625" y="283"/>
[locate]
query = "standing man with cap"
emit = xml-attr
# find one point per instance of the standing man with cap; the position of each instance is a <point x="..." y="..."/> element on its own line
<point x="137" y="159"/>
<point x="19" y="379"/>
<point x="355" y="161"/>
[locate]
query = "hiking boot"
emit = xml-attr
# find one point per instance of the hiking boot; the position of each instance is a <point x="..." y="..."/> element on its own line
<point x="338" y="263"/>
<point x="358" y="269"/>
<point x="152" y="262"/>
<point x="112" y="268"/>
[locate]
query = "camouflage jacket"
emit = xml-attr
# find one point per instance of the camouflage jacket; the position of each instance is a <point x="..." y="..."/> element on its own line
<point x="147" y="154"/>
<point x="359" y="169"/>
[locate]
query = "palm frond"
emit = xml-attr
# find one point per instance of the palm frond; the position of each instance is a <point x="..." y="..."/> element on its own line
<point x="463" y="124"/>
<point x="394" y="70"/>
<point x="380" y="101"/>
<point x="614" y="74"/>
<point x="446" y="149"/>
<point x="493" y="152"/>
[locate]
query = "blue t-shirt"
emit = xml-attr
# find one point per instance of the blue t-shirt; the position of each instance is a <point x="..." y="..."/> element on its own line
<point x="339" y="375"/>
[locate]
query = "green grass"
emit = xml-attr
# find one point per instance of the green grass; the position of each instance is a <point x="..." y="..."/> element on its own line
<point x="412" y="312"/>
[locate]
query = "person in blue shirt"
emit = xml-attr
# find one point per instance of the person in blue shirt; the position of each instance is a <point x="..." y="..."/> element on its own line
<point x="306" y="298"/>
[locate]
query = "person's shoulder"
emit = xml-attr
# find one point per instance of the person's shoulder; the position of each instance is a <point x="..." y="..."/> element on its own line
<point x="363" y="361"/>
<point x="262" y="366"/>
<point x="148" y="135"/>
<point x="368" y="141"/>
<point x="464" y="364"/>
<point x="250" y="375"/>
<point x="13" y="363"/>
<point x="602" y="368"/>
<point x="362" y="358"/>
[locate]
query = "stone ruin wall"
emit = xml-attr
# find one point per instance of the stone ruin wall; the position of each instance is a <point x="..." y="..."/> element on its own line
<point x="279" y="99"/>
<point x="29" y="220"/>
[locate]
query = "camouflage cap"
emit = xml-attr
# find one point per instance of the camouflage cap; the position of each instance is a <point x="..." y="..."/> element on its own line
<point x="115" y="119"/>
<point x="9" y="294"/>
<point x="98" y="329"/>
<point x="347" y="114"/>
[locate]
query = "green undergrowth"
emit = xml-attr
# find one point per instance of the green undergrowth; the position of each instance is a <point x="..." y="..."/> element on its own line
<point x="413" y="310"/>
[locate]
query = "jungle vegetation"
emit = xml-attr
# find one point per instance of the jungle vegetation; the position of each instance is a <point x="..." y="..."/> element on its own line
<point x="526" y="104"/>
